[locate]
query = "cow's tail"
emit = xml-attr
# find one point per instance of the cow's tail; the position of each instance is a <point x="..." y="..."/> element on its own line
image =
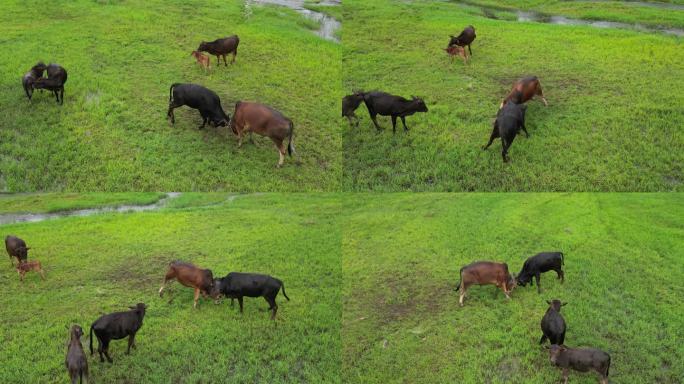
<point x="91" y="339"/>
<point x="290" y="150"/>
<point x="26" y="88"/>
<point x="171" y="91"/>
<point x="282" y="286"/>
<point x="562" y="258"/>
<point x="608" y="367"/>
<point x="460" y="274"/>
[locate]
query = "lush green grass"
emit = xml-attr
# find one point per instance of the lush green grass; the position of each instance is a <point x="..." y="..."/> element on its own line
<point x="401" y="256"/>
<point x="621" y="11"/>
<point x="613" y="123"/>
<point x="112" y="134"/>
<point x="54" y="202"/>
<point x="107" y="262"/>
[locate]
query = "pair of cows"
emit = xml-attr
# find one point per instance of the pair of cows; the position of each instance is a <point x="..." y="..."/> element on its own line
<point x="248" y="117"/>
<point x="16" y="248"/>
<point x="552" y="324"/>
<point x="457" y="44"/>
<point x="55" y="80"/>
<point x="234" y="285"/>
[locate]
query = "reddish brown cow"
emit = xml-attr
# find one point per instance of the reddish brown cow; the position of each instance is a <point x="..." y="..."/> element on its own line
<point x="486" y="272"/>
<point x="202" y="60"/>
<point x="455" y="50"/>
<point x="27" y="266"/>
<point x="202" y="280"/>
<point x="524" y="90"/>
<point x="266" y="121"/>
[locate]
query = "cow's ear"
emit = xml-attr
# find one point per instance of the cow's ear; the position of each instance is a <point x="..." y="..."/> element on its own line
<point x="548" y="302"/>
<point x="564" y="304"/>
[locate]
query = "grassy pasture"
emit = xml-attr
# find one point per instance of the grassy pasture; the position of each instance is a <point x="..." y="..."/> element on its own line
<point x="106" y="262"/>
<point x="112" y="134"/>
<point x="401" y="255"/>
<point x="614" y="120"/>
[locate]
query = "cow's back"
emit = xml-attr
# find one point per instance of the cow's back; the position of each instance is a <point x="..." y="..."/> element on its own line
<point x="262" y="119"/>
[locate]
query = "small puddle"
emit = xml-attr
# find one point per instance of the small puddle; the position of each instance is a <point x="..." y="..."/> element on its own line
<point x="11" y="218"/>
<point x="328" y="26"/>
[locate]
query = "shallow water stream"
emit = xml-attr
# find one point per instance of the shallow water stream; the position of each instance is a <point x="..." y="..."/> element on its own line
<point x="328" y="25"/>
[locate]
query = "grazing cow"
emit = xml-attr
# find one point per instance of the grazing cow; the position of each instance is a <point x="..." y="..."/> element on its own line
<point x="16" y="247"/>
<point x="31" y="76"/>
<point x="265" y="121"/>
<point x="115" y="326"/>
<point x="27" y="266"/>
<point x="384" y="104"/>
<point x="541" y="262"/>
<point x="221" y="47"/>
<point x="56" y="78"/>
<point x="455" y="50"/>
<point x="76" y="362"/>
<point x="196" y="96"/>
<point x="202" y="60"/>
<point x="349" y="105"/>
<point x="509" y="121"/>
<point x="202" y="280"/>
<point x="580" y="359"/>
<point x="524" y="90"/>
<point x="485" y="272"/>
<point x="236" y="285"/>
<point x="465" y="38"/>
<point x="553" y="324"/>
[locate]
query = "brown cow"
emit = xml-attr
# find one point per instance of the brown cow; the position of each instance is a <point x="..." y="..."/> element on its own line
<point x="486" y="272"/>
<point x="455" y="50"/>
<point x="76" y="361"/>
<point x="266" y="121"/>
<point x="16" y="247"/>
<point x="202" y="60"/>
<point x="202" y="280"/>
<point x="580" y="359"/>
<point x="26" y="266"/>
<point x="221" y="47"/>
<point x="524" y="90"/>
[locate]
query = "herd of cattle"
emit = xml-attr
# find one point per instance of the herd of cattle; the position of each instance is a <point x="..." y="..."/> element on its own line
<point x="248" y="117"/>
<point x="120" y="325"/>
<point x="510" y="118"/>
<point x="552" y="323"/>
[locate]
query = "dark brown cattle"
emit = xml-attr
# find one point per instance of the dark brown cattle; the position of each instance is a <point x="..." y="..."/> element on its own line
<point x="16" y="247"/>
<point x="202" y="60"/>
<point x="31" y="76"/>
<point x="524" y="90"/>
<point x="485" y="272"/>
<point x="221" y="47"/>
<point x="76" y="361"/>
<point x="466" y="37"/>
<point x="27" y="266"/>
<point x="202" y="280"/>
<point x="265" y="121"/>
<point x="580" y="359"/>
<point x="349" y="105"/>
<point x="455" y="50"/>
<point x="56" y="78"/>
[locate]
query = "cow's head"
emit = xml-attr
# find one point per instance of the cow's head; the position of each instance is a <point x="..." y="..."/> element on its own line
<point x="207" y="281"/>
<point x="555" y="304"/>
<point x="554" y="351"/>
<point x="76" y="332"/>
<point x="139" y="309"/>
<point x="511" y="281"/>
<point x="215" y="292"/>
<point x="39" y="68"/>
<point x="418" y="104"/>
<point x="203" y="46"/>
<point x="523" y="278"/>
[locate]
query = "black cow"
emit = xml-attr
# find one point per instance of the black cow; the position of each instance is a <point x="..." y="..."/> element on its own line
<point x="221" y="47"/>
<point x="16" y="247"/>
<point x="56" y="78"/>
<point x="115" y="326"/>
<point x="509" y="121"/>
<point x="196" y="96"/>
<point x="542" y="262"/>
<point x="236" y="285"/>
<point x="349" y="104"/>
<point x="553" y="324"/>
<point x="384" y="104"/>
<point x="76" y="362"/>
<point x="31" y="76"/>
<point x="580" y="359"/>
<point x="465" y="38"/>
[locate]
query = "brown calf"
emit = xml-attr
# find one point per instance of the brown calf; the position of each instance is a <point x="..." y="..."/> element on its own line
<point x="76" y="361"/>
<point x="26" y="266"/>
<point x="455" y="50"/>
<point x="191" y="276"/>
<point x="485" y="272"/>
<point x="266" y="121"/>
<point x="524" y="90"/>
<point x="202" y="60"/>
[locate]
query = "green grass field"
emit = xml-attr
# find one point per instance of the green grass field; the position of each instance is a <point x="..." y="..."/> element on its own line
<point x="105" y="263"/>
<point x="401" y="257"/>
<point x="613" y="122"/>
<point x="112" y="134"/>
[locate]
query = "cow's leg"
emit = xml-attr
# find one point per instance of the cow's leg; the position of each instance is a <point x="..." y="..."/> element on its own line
<point x="218" y="60"/>
<point x="561" y="275"/>
<point x="272" y="305"/>
<point x="522" y="126"/>
<point x="281" y="151"/>
<point x="170" y="275"/>
<point x="169" y="113"/>
<point x="394" y="124"/>
<point x="566" y="371"/>
<point x="240" y="302"/>
<point x="21" y="275"/>
<point x="537" y="276"/>
<point x="504" y="150"/>
<point x="543" y="339"/>
<point x="506" y="291"/>
<point x="403" y="121"/>
<point x="351" y="121"/>
<point x="194" y="305"/>
<point x="234" y="54"/>
<point x="232" y="302"/>
<point x="373" y="117"/>
<point x="105" y="349"/>
<point x="61" y="95"/>
<point x="131" y="343"/>
<point x="540" y="93"/>
<point x="471" y="51"/>
<point x="42" y="274"/>
<point x="224" y="60"/>
<point x="464" y="288"/>
<point x="100" y="350"/>
<point x="494" y="135"/>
